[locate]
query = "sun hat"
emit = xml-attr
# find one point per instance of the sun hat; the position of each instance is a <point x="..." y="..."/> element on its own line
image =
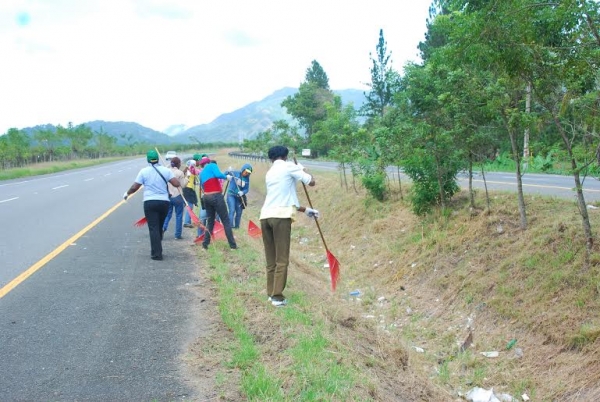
<point x="197" y="157"/>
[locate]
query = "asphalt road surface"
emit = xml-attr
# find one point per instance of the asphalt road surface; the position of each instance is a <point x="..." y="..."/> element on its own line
<point x="99" y="321"/>
<point x="542" y="184"/>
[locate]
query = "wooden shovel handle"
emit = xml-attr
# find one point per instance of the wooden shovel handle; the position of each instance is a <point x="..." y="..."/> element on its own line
<point x="310" y="204"/>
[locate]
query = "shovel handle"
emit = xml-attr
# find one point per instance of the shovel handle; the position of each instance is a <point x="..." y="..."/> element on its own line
<point x="310" y="204"/>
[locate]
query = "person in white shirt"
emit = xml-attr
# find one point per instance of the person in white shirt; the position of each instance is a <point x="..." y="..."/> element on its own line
<point x="154" y="178"/>
<point x="276" y="217"/>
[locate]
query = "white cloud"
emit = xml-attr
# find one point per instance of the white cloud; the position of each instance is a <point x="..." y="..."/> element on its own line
<point x="184" y="62"/>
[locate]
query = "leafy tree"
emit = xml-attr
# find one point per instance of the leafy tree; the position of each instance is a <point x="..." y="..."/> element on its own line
<point x="316" y="75"/>
<point x="339" y="135"/>
<point x="384" y="81"/>
<point x="435" y="157"/>
<point x="15" y="148"/>
<point x="308" y="105"/>
<point x="565" y="72"/>
<point x="49" y="141"/>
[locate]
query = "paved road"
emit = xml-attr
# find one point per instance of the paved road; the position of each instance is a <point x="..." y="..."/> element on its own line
<point x="543" y="184"/>
<point x="100" y="321"/>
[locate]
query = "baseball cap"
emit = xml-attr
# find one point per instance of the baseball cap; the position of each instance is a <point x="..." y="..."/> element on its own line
<point x="152" y="156"/>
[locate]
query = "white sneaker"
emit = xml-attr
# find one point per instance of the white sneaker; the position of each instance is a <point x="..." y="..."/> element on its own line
<point x="279" y="303"/>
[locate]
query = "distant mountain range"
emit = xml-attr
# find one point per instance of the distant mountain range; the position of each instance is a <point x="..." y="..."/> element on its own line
<point x="244" y="123"/>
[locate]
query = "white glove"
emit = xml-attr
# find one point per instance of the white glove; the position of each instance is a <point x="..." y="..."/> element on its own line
<point x="301" y="166"/>
<point x="240" y="193"/>
<point x="311" y="213"/>
<point x="238" y="182"/>
<point x="229" y="177"/>
<point x="125" y="196"/>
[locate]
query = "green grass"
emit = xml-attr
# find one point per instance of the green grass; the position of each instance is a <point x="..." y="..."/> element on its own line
<point x="52" y="167"/>
<point x="315" y="370"/>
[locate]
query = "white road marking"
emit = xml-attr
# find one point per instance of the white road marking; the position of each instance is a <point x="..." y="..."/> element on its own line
<point x="89" y="179"/>
<point x="56" y="188"/>
<point x="9" y="199"/>
<point x="108" y="174"/>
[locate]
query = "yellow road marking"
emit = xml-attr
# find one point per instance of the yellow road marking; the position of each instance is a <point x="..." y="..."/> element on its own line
<point x="35" y="267"/>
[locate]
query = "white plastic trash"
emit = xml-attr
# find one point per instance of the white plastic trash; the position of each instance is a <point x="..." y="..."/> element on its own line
<point x="481" y="395"/>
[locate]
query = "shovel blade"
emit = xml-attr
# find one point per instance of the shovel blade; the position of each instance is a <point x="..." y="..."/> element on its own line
<point x="253" y="230"/>
<point x="334" y="269"/>
<point x="199" y="238"/>
<point x="141" y="222"/>
<point x="219" y="231"/>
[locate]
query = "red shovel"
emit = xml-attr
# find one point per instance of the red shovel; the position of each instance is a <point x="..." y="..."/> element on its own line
<point x="253" y="230"/>
<point x="140" y="222"/>
<point x="334" y="265"/>
<point x="218" y="233"/>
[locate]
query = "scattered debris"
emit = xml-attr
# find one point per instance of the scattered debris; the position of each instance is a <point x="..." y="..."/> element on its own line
<point x="355" y="293"/>
<point x="590" y="206"/>
<point x="480" y="395"/>
<point x="419" y="350"/>
<point x="518" y="353"/>
<point x="468" y="342"/>
<point x="510" y="344"/>
<point x="490" y="354"/>
<point x="486" y="395"/>
<point x="525" y="397"/>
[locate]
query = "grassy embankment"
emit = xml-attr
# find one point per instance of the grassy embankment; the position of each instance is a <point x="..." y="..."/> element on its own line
<point x="52" y="167"/>
<point x="425" y="285"/>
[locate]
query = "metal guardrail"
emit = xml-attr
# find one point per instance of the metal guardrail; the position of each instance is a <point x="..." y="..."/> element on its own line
<point x="250" y="157"/>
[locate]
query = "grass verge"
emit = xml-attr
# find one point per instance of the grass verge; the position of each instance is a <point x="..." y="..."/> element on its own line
<point x="52" y="167"/>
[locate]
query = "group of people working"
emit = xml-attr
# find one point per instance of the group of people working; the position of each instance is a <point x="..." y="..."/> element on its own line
<point x="163" y="194"/>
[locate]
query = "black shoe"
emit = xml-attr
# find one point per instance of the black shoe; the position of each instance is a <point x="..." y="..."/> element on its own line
<point x="204" y="246"/>
<point x="178" y="238"/>
<point x="158" y="258"/>
<point x="188" y="225"/>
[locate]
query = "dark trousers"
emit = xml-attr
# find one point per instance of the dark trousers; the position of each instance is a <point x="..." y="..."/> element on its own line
<point x="215" y="204"/>
<point x="156" y="212"/>
<point x="276" y="234"/>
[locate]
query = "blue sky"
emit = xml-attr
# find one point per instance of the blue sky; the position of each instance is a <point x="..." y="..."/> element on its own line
<point x="164" y="62"/>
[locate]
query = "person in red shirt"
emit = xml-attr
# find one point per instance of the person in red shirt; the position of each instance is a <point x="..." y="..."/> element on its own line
<point x="214" y="203"/>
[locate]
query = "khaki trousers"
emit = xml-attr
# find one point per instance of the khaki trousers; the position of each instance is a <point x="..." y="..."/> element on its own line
<point x="276" y="234"/>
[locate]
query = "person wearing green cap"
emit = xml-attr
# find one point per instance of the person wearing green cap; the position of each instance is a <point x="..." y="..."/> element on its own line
<point x="154" y="178"/>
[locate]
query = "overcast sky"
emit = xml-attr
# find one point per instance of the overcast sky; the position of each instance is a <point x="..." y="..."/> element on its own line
<point x="164" y="62"/>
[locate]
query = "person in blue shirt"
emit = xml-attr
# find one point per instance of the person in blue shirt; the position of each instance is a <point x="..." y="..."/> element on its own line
<point x="236" y="193"/>
<point x="154" y="178"/>
<point x="210" y="180"/>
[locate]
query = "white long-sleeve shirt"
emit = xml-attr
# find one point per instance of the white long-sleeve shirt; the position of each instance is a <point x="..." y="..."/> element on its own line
<point x="282" y="200"/>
